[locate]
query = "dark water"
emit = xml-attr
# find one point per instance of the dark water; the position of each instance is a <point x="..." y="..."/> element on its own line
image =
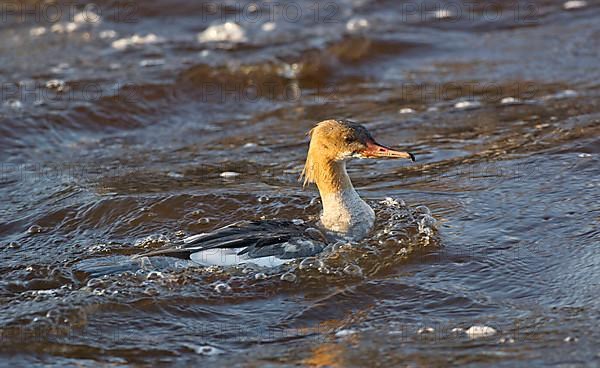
<point x="118" y="119"/>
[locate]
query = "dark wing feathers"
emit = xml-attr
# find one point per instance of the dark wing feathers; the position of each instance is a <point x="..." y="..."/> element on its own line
<point x="258" y="238"/>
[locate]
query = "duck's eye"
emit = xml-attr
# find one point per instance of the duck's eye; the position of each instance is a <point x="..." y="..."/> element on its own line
<point x="348" y="139"/>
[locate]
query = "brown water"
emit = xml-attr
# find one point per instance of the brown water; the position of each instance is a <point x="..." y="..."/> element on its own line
<point x="114" y="144"/>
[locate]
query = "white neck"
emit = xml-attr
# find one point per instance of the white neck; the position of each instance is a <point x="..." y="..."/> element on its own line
<point x="344" y="211"/>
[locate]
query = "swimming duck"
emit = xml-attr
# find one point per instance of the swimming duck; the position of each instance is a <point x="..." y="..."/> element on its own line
<point x="345" y="216"/>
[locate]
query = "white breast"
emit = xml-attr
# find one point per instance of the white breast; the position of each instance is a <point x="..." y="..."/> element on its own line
<point x="346" y="213"/>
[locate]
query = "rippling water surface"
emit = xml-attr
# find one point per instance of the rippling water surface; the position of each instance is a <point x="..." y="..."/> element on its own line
<point x="118" y="121"/>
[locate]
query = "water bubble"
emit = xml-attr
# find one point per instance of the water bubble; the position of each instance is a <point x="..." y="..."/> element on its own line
<point x="41" y="322"/>
<point x="260" y="276"/>
<point x="263" y="198"/>
<point x="426" y="222"/>
<point x="570" y="339"/>
<point x="443" y="14"/>
<point x="229" y="174"/>
<point x="406" y="110"/>
<point x="13" y="104"/>
<point x="343" y="333"/>
<point x="14" y="245"/>
<point x="353" y="270"/>
<point x="310" y="262"/>
<point x="463" y="105"/>
<point x="423" y="210"/>
<point x="154" y="275"/>
<point x="204" y="349"/>
<point x="324" y="269"/>
<point x="64" y="27"/>
<point x="425" y="330"/>
<point x="37" y="31"/>
<point x="288" y="276"/>
<point x="87" y="16"/>
<point x="135" y="40"/>
<point x="475" y="332"/>
<point x="268" y="26"/>
<point x="574" y="4"/>
<point x="35" y="229"/>
<point x="108" y="34"/>
<point x="357" y="24"/>
<point x="506" y="340"/>
<point x="509" y="101"/>
<point x="146" y="63"/>
<point x="222" y="287"/>
<point x="226" y="32"/>
<point x="56" y="84"/>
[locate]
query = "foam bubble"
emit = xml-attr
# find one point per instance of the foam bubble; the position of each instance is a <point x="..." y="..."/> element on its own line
<point x="463" y="105"/>
<point x="222" y="287"/>
<point x="37" y="31"/>
<point x="268" y="26"/>
<point x="343" y="333"/>
<point x="229" y="174"/>
<point x="288" y="276"/>
<point x="574" y="4"/>
<point x="226" y="32"/>
<point x="475" y="332"/>
<point x="357" y="24"/>
<point x="425" y="330"/>
<point x="136" y="40"/>
<point x="509" y="101"/>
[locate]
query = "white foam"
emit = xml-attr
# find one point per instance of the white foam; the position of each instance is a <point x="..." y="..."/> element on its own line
<point x="229" y="174"/>
<point x="357" y="24"/>
<point x="88" y="17"/>
<point x="406" y="110"/>
<point x="37" y="31"/>
<point x="56" y="84"/>
<point x="574" y="4"/>
<point x="343" y="333"/>
<point x="466" y="105"/>
<point x="509" y="101"/>
<point x="475" y="332"/>
<point x="64" y="27"/>
<point x="13" y="104"/>
<point x="443" y="14"/>
<point x="226" y="32"/>
<point x="109" y="33"/>
<point x="136" y="40"/>
<point x="204" y="349"/>
<point x="152" y="62"/>
<point x="268" y="26"/>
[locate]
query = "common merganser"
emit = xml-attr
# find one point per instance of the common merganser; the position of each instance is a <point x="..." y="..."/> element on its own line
<point x="345" y="215"/>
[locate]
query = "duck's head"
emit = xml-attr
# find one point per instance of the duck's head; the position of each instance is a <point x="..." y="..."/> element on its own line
<point x="334" y="141"/>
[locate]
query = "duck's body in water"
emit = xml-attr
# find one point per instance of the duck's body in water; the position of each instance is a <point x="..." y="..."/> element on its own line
<point x="271" y="242"/>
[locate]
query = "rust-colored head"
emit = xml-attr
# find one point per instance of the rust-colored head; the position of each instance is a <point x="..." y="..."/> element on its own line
<point x="334" y="141"/>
